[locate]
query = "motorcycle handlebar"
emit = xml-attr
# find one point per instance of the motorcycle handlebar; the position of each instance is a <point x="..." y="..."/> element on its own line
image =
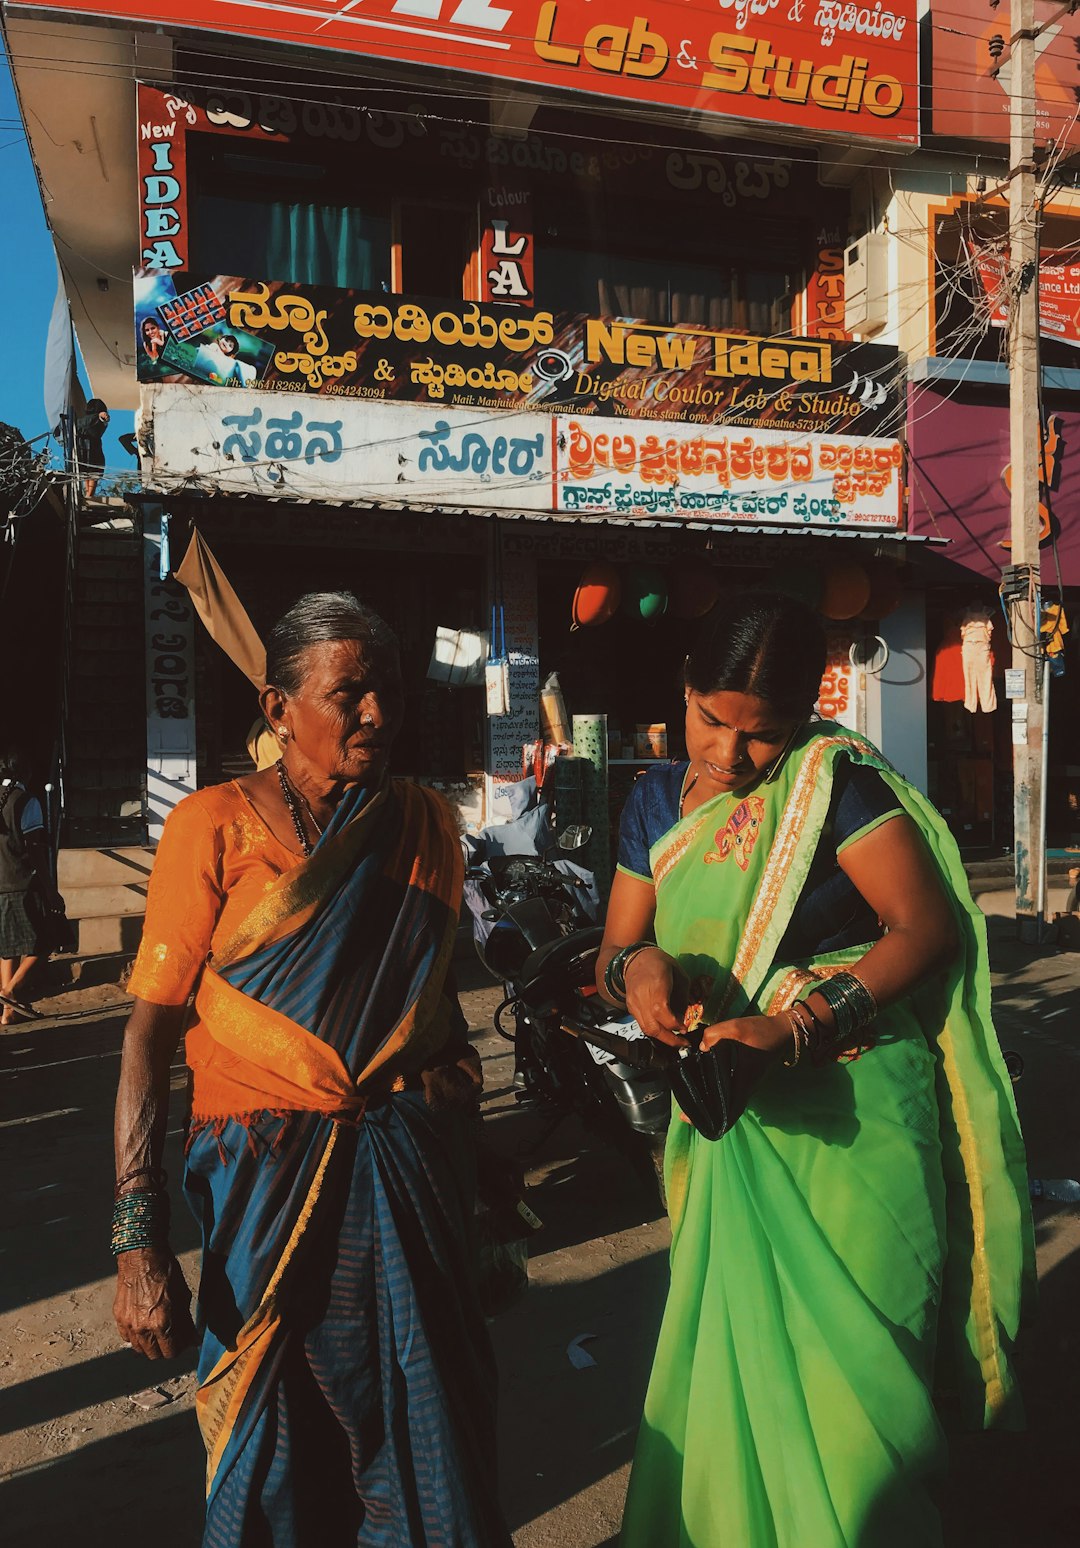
<point x="642" y="1053"/>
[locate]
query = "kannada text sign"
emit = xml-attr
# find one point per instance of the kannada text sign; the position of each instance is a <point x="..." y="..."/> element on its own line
<point x="342" y="450"/>
<point x="234" y="332"/>
<point x="817" y="65"/>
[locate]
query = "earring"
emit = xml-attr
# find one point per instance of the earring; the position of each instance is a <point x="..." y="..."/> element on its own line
<point x="283" y="735"/>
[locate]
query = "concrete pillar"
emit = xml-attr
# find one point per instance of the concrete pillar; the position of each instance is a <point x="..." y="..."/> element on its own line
<point x="508" y="733"/>
<point x="170" y="683"/>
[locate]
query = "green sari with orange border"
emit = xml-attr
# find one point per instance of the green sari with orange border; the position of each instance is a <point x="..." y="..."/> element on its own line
<point x="859" y="1246"/>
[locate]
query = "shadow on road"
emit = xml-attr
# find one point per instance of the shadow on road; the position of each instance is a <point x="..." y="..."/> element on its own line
<point x="1016" y="1491"/>
<point x="57" y="1089"/>
<point x="100" y="1495"/>
<point x="562" y="1430"/>
<point x="601" y="1269"/>
<point x="58" y="1394"/>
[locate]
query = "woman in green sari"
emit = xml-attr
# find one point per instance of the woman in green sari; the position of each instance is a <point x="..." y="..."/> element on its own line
<point x="857" y="1247"/>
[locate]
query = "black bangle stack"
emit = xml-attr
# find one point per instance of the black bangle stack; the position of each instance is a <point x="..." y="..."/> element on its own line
<point x="615" y="972"/>
<point x="157" y="1175"/>
<point x="853" y="1009"/>
<point x="852" y="1005"/>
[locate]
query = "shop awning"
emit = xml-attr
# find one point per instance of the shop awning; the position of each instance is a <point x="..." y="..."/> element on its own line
<point x="197" y="497"/>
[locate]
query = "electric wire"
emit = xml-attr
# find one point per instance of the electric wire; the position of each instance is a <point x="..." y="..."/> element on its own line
<point x="731" y="153"/>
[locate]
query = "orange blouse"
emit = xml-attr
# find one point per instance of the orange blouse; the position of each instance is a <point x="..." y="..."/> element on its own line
<point x="215" y="860"/>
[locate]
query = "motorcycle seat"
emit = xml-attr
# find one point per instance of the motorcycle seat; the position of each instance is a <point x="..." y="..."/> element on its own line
<point x="555" y="958"/>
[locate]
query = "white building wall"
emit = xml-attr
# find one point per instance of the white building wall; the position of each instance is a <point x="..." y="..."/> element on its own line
<point x="893" y="700"/>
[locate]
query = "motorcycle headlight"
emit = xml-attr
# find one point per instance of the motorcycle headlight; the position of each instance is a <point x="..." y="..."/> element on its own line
<point x="505" y="949"/>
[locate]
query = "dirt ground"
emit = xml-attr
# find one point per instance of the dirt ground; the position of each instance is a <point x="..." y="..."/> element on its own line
<point x="95" y="1442"/>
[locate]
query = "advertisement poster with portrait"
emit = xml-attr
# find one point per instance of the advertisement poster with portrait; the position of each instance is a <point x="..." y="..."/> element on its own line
<point x="188" y="337"/>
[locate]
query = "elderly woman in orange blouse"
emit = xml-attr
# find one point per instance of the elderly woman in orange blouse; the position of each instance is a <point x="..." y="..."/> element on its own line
<point x="346" y="1391"/>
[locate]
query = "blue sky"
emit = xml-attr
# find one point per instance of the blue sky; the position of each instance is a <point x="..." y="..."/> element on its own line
<point x="28" y="276"/>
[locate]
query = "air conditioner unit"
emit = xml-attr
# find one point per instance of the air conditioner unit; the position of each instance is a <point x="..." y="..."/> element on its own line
<point x="866" y="283"/>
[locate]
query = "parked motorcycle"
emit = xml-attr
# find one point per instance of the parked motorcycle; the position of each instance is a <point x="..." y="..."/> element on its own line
<point x="535" y="931"/>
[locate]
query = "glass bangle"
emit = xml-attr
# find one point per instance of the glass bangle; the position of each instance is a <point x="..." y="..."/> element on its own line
<point x="140" y="1218"/>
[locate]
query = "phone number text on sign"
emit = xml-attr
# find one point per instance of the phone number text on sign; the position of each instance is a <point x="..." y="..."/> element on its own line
<point x="847" y="69"/>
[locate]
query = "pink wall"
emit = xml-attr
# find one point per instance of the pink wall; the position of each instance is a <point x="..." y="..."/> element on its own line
<point x="958" y="440"/>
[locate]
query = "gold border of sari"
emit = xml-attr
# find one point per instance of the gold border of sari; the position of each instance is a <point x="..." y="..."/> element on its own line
<point x="220" y="1398"/>
<point x="295" y="897"/>
<point x="985" y="1318"/>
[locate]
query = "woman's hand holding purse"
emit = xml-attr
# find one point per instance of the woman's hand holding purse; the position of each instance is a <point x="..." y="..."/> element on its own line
<point x="714" y="1083"/>
<point x="657" y="994"/>
<point x="772" y="1034"/>
<point x="717" y="1067"/>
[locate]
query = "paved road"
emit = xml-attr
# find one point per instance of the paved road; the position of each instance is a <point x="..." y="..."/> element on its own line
<point x="82" y="1459"/>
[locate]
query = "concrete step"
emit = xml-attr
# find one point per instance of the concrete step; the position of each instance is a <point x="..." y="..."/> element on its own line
<point x="105" y="902"/>
<point x="997" y="875"/>
<point x="109" y="935"/>
<point x="85" y="972"/>
<point x="103" y="867"/>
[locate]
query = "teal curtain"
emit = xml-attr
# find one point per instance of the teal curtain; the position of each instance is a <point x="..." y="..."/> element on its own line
<point x="308" y="244"/>
<point x="319" y="244"/>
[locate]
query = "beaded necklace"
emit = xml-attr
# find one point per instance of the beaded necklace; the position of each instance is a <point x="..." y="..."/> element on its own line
<point x="294" y="812"/>
<point x="687" y="787"/>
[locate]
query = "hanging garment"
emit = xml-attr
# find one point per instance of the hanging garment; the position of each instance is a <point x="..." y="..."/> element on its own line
<point x="947" y="685"/>
<point x="976" y="632"/>
<point x="1055" y="626"/>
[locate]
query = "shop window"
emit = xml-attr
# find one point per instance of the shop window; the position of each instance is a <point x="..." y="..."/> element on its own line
<point x="435" y="248"/>
<point x="969" y="244"/>
<point x="267" y="217"/>
<point x="666" y="290"/>
<point x="666" y="263"/>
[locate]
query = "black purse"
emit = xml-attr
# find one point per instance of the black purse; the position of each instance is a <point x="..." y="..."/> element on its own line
<point x="53" y="930"/>
<point x="713" y="1087"/>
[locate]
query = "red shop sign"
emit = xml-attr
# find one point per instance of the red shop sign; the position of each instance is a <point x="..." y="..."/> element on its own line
<point x="829" y="67"/>
<point x="971" y="82"/>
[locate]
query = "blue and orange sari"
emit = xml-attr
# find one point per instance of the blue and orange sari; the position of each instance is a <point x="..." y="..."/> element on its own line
<point x="345" y="1378"/>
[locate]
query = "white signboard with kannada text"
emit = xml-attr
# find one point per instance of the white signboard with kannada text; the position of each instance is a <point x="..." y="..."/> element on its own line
<point x="290" y="446"/>
<point x="636" y="467"/>
<point x="286" y="445"/>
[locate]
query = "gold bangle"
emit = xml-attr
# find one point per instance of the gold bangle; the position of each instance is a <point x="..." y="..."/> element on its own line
<point x="798" y="1035"/>
<point x="803" y="1036"/>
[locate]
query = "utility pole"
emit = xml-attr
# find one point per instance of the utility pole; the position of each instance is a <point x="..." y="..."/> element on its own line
<point x="1021" y="586"/>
